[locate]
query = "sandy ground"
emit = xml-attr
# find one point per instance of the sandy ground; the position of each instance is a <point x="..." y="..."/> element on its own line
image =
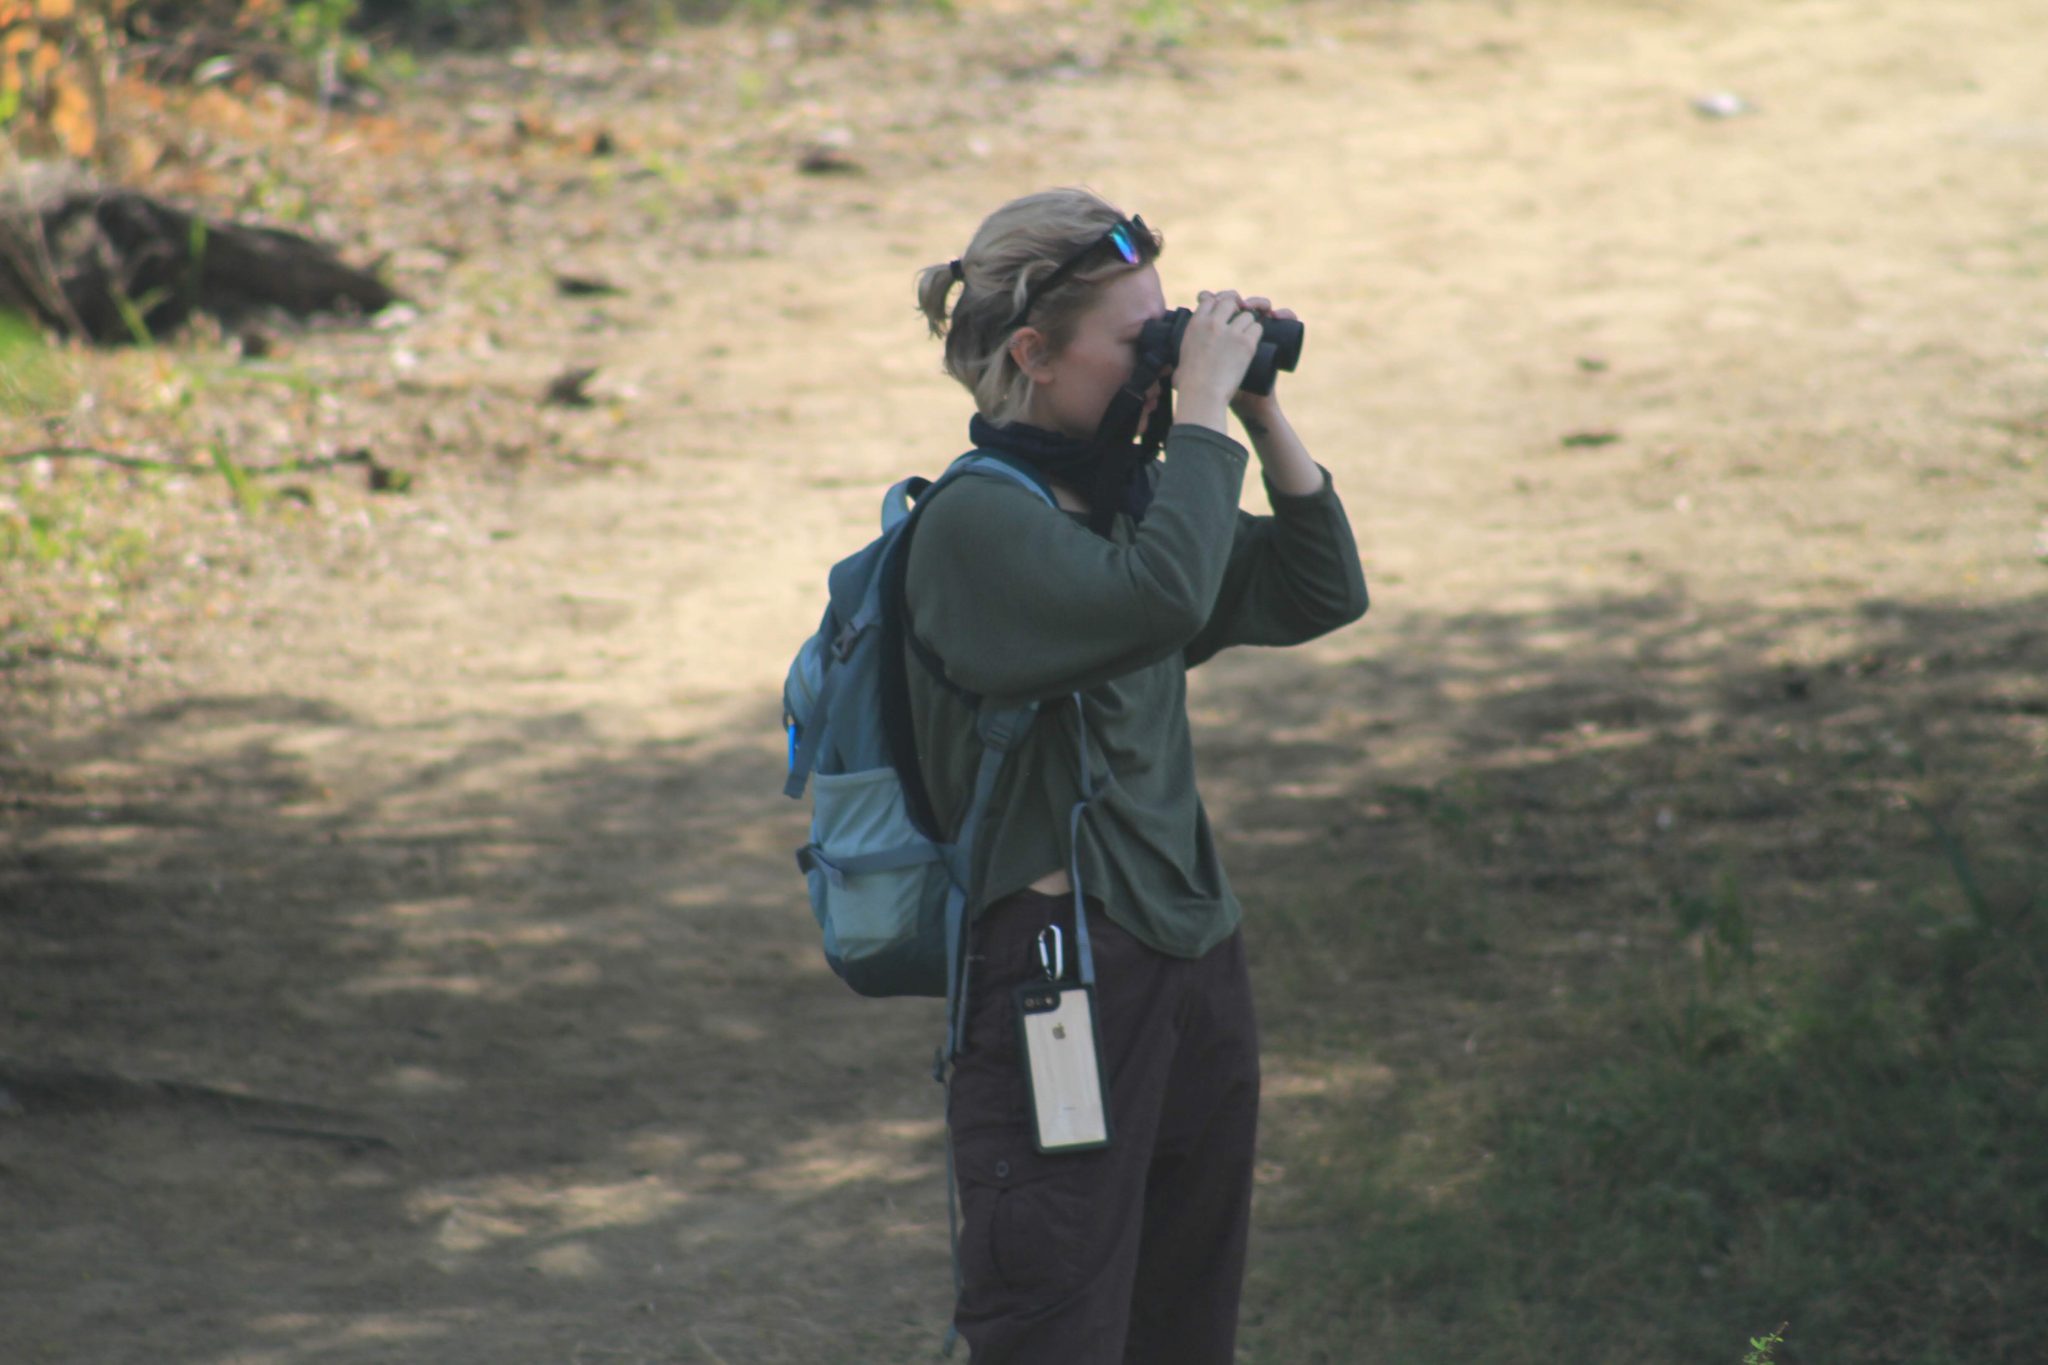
<point x="407" y="965"/>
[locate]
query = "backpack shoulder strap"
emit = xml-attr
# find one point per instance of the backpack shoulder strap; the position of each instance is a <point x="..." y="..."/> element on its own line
<point x="899" y="637"/>
<point x="983" y="461"/>
<point x="901" y="500"/>
<point x="995" y="465"/>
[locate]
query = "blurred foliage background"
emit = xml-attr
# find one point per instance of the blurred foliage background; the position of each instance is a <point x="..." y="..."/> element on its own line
<point x="59" y="58"/>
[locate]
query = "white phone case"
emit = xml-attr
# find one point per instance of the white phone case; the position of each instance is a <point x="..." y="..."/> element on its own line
<point x="1069" y="1111"/>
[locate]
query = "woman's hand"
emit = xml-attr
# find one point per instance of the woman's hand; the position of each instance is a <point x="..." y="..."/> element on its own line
<point x="1260" y="410"/>
<point x="1215" y="349"/>
<point x="1283" y="458"/>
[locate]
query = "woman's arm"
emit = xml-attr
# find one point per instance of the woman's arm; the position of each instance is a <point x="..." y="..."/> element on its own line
<point x="1020" y="601"/>
<point x="1296" y="574"/>
<point x="1282" y="456"/>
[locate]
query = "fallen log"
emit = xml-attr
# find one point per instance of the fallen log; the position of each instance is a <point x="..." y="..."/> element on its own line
<point x="115" y="265"/>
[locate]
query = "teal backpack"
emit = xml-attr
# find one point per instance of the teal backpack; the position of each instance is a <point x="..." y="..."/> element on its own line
<point x="888" y="891"/>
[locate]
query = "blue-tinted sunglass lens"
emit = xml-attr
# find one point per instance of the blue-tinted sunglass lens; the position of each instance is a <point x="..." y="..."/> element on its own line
<point x="1120" y="238"/>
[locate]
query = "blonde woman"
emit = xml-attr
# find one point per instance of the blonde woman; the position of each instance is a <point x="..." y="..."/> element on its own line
<point x="1095" y="605"/>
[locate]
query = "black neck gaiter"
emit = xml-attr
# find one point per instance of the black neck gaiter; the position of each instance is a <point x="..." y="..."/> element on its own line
<point x="1056" y="456"/>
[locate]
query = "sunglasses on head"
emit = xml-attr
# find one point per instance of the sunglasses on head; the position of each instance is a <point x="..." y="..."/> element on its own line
<point x="1128" y="237"/>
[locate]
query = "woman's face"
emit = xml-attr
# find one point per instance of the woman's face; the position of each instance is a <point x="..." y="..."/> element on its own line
<point x="1071" y="390"/>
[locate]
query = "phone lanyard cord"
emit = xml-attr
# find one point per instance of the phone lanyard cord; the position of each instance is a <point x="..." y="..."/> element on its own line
<point x="1088" y="795"/>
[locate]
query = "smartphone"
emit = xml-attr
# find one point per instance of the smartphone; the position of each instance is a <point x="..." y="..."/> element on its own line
<point x="1069" y="1110"/>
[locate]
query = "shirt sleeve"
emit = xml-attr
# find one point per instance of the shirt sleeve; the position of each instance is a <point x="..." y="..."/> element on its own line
<point x="1020" y="601"/>
<point x="1291" y="576"/>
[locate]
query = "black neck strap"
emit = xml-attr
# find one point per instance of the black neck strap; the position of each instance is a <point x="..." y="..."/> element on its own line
<point x="1121" y="449"/>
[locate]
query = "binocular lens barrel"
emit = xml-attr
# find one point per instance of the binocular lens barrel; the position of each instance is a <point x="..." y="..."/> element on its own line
<point x="1286" y="335"/>
<point x="1279" y="346"/>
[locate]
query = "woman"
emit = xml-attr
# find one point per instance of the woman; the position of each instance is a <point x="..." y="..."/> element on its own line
<point x="1134" y="1251"/>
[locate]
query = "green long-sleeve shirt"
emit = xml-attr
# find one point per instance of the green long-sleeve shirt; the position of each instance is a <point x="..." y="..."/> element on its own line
<point x="1021" y="601"/>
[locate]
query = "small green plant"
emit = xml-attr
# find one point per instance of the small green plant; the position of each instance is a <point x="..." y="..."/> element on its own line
<point x="248" y="495"/>
<point x="135" y="312"/>
<point x="195" y="261"/>
<point x="1763" y="1350"/>
<point x="751" y="85"/>
<point x="31" y="533"/>
<point x="317" y="26"/>
<point x="1721" y="921"/>
<point x="1960" y="866"/>
<point x="32" y="381"/>
<point x="278" y="196"/>
<point x="1167" y="21"/>
<point x="674" y="173"/>
<point x="53" y="524"/>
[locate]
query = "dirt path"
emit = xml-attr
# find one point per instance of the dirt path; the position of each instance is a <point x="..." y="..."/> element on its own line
<point x="413" y="971"/>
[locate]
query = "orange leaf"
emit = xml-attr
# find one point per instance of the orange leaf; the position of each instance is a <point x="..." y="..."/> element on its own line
<point x="55" y="9"/>
<point x="71" y="118"/>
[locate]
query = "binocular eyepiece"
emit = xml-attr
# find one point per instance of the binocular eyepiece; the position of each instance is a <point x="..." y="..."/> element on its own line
<point x="1279" y="346"/>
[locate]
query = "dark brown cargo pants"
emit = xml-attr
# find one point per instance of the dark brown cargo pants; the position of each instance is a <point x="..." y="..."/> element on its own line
<point x="1134" y="1254"/>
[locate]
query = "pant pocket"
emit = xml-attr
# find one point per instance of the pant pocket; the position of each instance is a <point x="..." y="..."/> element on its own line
<point x="1024" y="1215"/>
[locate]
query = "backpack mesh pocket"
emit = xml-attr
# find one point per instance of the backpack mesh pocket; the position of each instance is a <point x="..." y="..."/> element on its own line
<point x="878" y="887"/>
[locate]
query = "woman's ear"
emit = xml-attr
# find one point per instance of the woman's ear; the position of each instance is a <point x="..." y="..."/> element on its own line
<point x="1033" y="356"/>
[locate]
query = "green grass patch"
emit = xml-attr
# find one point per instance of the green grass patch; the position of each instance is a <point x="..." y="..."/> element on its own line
<point x="1853" y="1144"/>
<point x="54" y="526"/>
<point x="69" y="549"/>
<point x="34" y="381"/>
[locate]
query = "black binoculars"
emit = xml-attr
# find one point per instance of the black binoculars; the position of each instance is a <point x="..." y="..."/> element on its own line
<point x="1279" y="346"/>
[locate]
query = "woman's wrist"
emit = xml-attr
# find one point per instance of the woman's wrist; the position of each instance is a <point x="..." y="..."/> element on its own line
<point x="1283" y="459"/>
<point x="1260" y="416"/>
<point x="1202" y="412"/>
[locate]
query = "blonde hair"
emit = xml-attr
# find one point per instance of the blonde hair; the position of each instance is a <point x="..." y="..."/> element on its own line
<point x="1022" y="242"/>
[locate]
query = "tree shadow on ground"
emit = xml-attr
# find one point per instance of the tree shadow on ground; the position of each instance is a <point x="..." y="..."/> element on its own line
<point x="329" y="1037"/>
<point x="539" y="1023"/>
<point x="1586" y="768"/>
